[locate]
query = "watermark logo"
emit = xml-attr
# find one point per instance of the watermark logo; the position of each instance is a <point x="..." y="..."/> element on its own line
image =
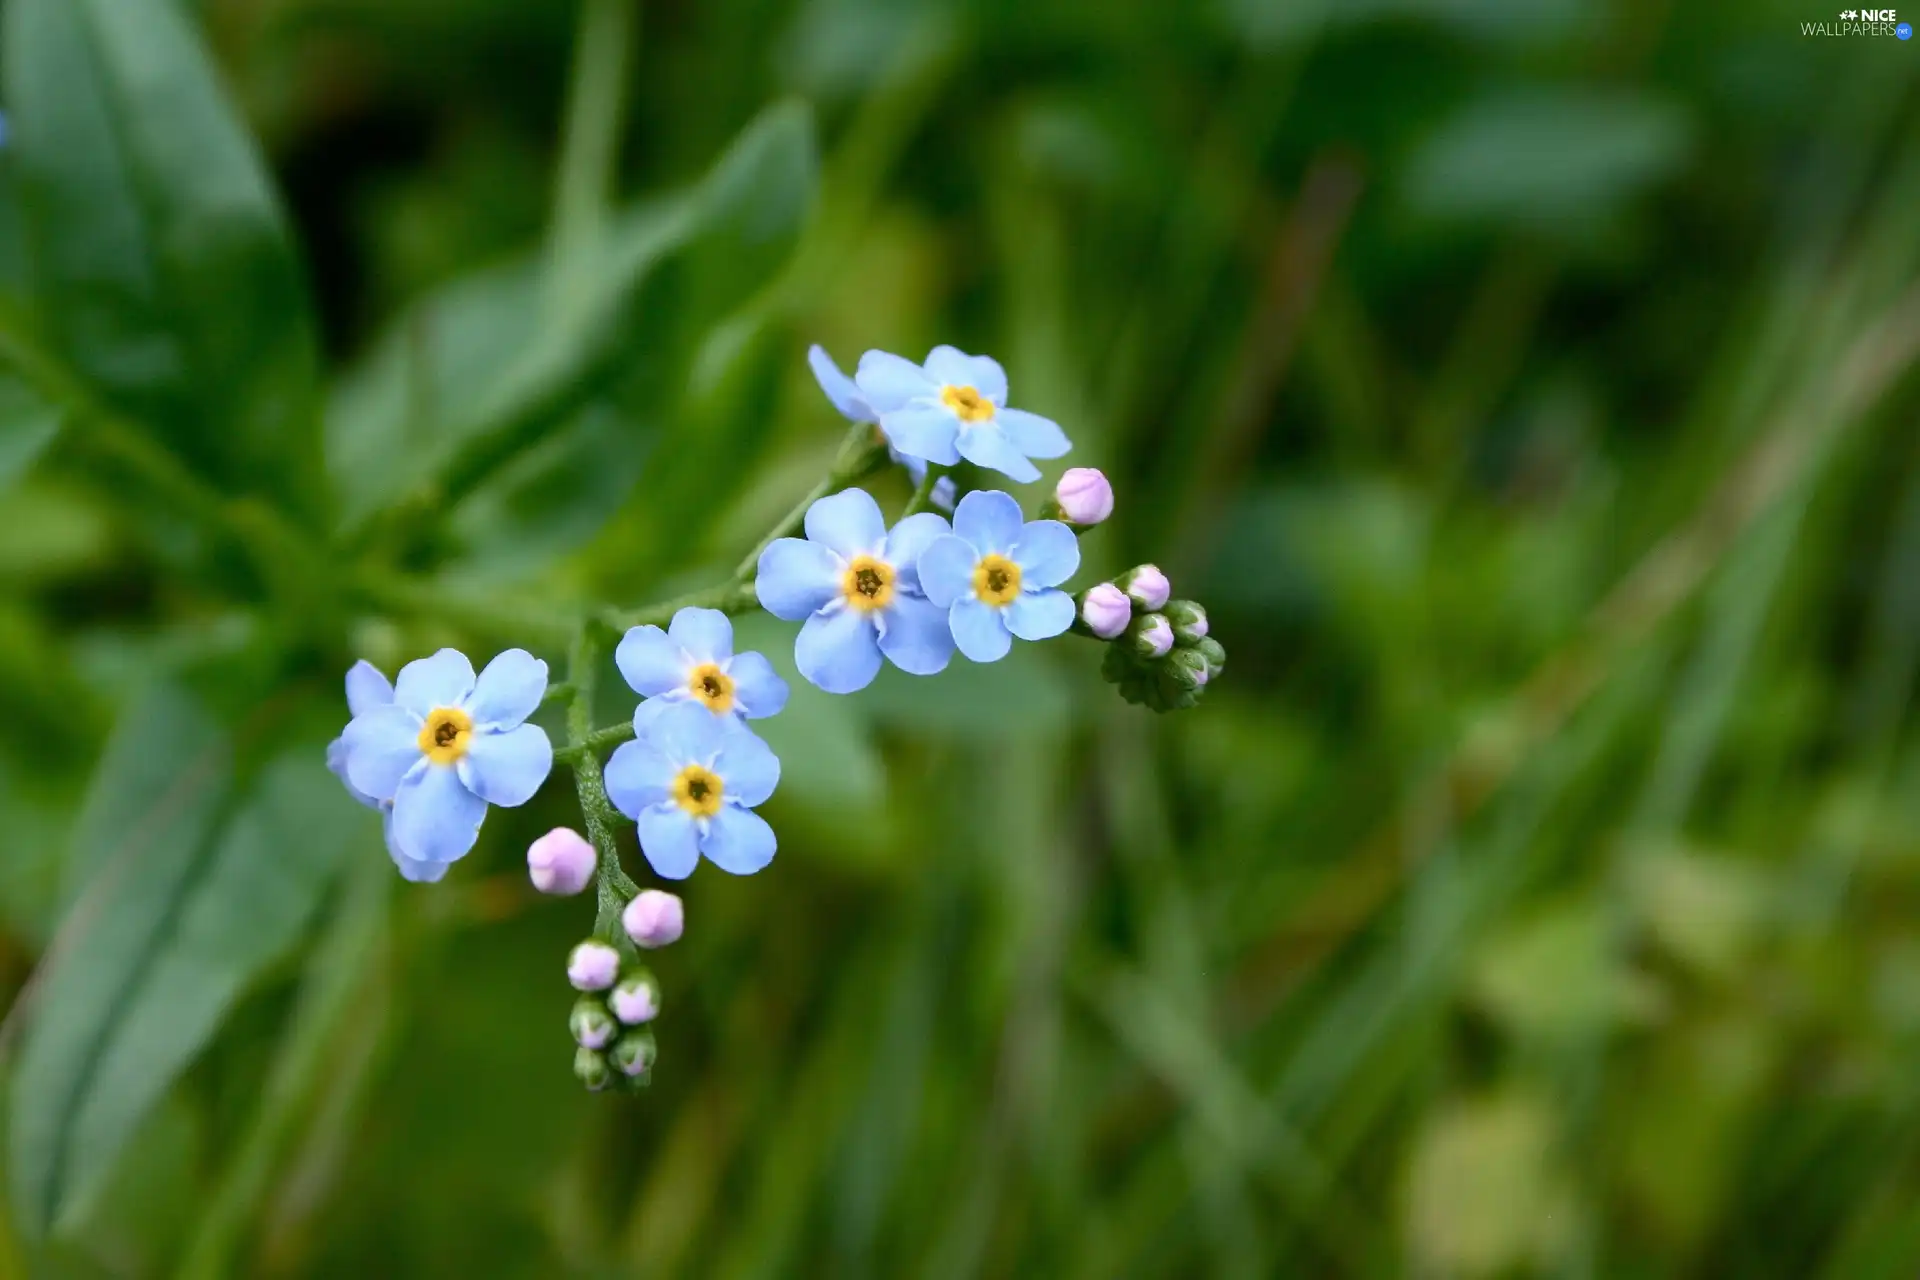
<point x="1862" y="22"/>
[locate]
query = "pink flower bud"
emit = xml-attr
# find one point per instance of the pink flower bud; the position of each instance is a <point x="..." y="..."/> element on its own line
<point x="1106" y="610"/>
<point x="1148" y="585"/>
<point x="635" y="1000"/>
<point x="560" y="862"/>
<point x="1084" y="496"/>
<point x="593" y="966"/>
<point x="653" y="918"/>
<point x="1153" y="637"/>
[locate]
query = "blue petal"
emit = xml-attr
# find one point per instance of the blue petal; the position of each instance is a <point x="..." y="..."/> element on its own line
<point x="1039" y="615"/>
<point x="796" y="578"/>
<point x="847" y="523"/>
<point x="440" y="681"/>
<point x="1047" y="552"/>
<point x="686" y="732"/>
<point x="650" y="663"/>
<point x="927" y="432"/>
<point x="509" y="690"/>
<point x="738" y="841"/>
<point x="946" y="569"/>
<point x="638" y="776"/>
<point x="987" y="446"/>
<point x="839" y="387"/>
<point x="914" y="636"/>
<point x="944" y="492"/>
<point x="908" y="540"/>
<point x="956" y="368"/>
<point x="414" y="869"/>
<point x="649" y="711"/>
<point x="758" y="690"/>
<point x="748" y="769"/>
<point x="1033" y="435"/>
<point x="435" y="817"/>
<point x="890" y="382"/>
<point x="705" y="634"/>
<point x="988" y="519"/>
<point x="837" y="650"/>
<point x="337" y="765"/>
<point x="979" y="630"/>
<point x="367" y="688"/>
<point x="507" y="768"/>
<point x="381" y="746"/>
<point x="668" y="838"/>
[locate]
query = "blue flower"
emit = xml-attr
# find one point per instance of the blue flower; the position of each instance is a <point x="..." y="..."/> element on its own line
<point x="955" y="407"/>
<point x="853" y="407"/>
<point x="690" y="783"/>
<point x="995" y="575"/>
<point x="693" y="661"/>
<point x="445" y="748"/>
<point x="368" y="687"/>
<point x="856" y="586"/>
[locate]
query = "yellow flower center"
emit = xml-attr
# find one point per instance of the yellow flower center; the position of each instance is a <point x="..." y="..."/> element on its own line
<point x="996" y="579"/>
<point x="712" y="686"/>
<point x="698" y="789"/>
<point x="868" y="584"/>
<point x="445" y="735"/>
<point x="967" y="404"/>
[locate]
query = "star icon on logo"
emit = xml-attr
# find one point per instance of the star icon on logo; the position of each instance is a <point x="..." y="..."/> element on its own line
<point x="1848" y="15"/>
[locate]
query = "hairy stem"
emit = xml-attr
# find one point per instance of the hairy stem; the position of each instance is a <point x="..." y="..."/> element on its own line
<point x="615" y="888"/>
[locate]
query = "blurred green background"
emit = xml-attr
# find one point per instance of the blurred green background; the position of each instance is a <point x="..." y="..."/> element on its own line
<point x="1525" y="389"/>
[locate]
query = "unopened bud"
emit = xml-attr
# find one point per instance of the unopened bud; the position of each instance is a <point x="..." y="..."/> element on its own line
<point x="1189" y="620"/>
<point x="654" y="918"/>
<point x="1186" y="669"/>
<point x="1147" y="585"/>
<point x="592" y="1026"/>
<point x="1105" y="610"/>
<point x="1151" y="636"/>
<point x="1084" y="495"/>
<point x="635" y="999"/>
<point x="593" y="966"/>
<point x="591" y="1069"/>
<point x="633" y="1055"/>
<point x="560" y="862"/>
<point x="1214" y="652"/>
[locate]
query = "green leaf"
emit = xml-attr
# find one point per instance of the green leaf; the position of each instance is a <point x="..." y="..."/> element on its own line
<point x="158" y="260"/>
<point x="496" y="362"/>
<point x="212" y="885"/>
<point x="27" y="426"/>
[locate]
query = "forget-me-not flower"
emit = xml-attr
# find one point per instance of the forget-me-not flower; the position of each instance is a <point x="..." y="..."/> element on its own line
<point x="996" y="575"/>
<point x="691" y="783"/>
<point x="693" y="661"/>
<point x="449" y="745"/>
<point x="856" y="586"/>
<point x="853" y="407"/>
<point x="954" y="407"/>
<point x="368" y="687"/>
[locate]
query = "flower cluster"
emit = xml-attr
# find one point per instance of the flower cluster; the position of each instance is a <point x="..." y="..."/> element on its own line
<point x="1158" y="651"/>
<point x="614" y="1045"/>
<point x="435" y="748"/>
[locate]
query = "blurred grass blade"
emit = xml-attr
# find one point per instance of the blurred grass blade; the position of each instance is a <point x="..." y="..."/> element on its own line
<point x="171" y="927"/>
<point x="495" y="371"/>
<point x="159" y="262"/>
<point x="27" y="426"/>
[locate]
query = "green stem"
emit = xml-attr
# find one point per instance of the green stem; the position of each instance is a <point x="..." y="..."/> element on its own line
<point x="595" y="741"/>
<point x="615" y="888"/>
<point x="922" y="499"/>
<point x="862" y="452"/>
